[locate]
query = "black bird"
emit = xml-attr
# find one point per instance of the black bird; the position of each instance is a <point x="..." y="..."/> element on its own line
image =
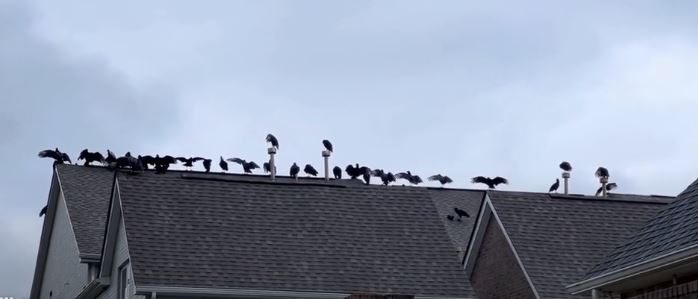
<point x="413" y="179"/>
<point x="388" y="178"/>
<point x="366" y="172"/>
<point x="602" y="172"/>
<point x="609" y="187"/>
<point x="111" y="158"/>
<point x="162" y="164"/>
<point x="294" y="171"/>
<point x="461" y="213"/>
<point x="491" y="183"/>
<point x="274" y="142"/>
<point x="310" y="170"/>
<point x="90" y="157"/>
<point x="147" y="160"/>
<point x="57" y="156"/>
<point x="223" y="164"/>
<point x="189" y="162"/>
<point x="337" y="173"/>
<point x="207" y="165"/>
<point x="43" y="211"/>
<point x="353" y="171"/>
<point x="443" y="179"/>
<point x="555" y="186"/>
<point x="450" y="217"/>
<point x="327" y="144"/>
<point x="266" y="167"/>
<point x="247" y="167"/>
<point x="128" y="161"/>
<point x="565" y="166"/>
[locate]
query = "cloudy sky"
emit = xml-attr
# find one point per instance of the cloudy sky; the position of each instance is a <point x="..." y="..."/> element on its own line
<point x="463" y="88"/>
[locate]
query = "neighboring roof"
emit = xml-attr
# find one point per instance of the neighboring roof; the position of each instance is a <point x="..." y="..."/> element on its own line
<point x="673" y="229"/>
<point x="87" y="191"/>
<point x="559" y="237"/>
<point x="187" y="229"/>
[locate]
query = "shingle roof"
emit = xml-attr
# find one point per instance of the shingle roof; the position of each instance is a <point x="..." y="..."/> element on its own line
<point x="469" y="200"/>
<point x="87" y="192"/>
<point x="225" y="231"/>
<point x="674" y="228"/>
<point x="558" y="238"/>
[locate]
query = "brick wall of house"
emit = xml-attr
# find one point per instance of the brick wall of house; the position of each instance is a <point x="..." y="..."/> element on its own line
<point x="497" y="274"/>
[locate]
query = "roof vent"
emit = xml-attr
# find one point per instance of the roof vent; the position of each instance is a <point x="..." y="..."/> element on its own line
<point x="326" y="156"/>
<point x="566" y="177"/>
<point x="272" y="163"/>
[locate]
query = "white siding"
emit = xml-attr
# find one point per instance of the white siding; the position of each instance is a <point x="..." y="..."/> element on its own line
<point x="120" y="256"/>
<point x="64" y="275"/>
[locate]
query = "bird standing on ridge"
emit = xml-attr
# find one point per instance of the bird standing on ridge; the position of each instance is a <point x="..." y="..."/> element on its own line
<point x="337" y="171"/>
<point x="554" y="186"/>
<point x="223" y="165"/>
<point x="189" y="162"/>
<point x="57" y="156"/>
<point x="272" y="139"/>
<point x="443" y="179"/>
<point x="609" y="187"/>
<point x="207" y="165"/>
<point x="353" y="171"/>
<point x="90" y="157"/>
<point x="386" y="178"/>
<point x="294" y="171"/>
<point x="327" y="144"/>
<point x="310" y="170"/>
<point x="413" y="179"/>
<point x="111" y="158"/>
<point x="566" y="166"/>
<point x="491" y="183"/>
<point x="247" y="167"/>
<point x="366" y="173"/>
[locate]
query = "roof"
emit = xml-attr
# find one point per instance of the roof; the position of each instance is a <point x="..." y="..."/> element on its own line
<point x="87" y="191"/>
<point x="189" y="229"/>
<point x="672" y="229"/>
<point x="558" y="238"/>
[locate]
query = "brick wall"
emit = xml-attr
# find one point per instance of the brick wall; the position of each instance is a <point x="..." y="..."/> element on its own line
<point x="497" y="274"/>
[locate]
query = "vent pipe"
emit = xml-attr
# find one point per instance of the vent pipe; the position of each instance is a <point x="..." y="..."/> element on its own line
<point x="603" y="180"/>
<point x="326" y="157"/>
<point x="566" y="177"/>
<point x="272" y="163"/>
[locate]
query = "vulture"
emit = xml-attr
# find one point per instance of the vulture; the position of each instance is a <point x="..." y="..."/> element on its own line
<point x="327" y="144"/>
<point x="57" y="156"/>
<point x="353" y="171"/>
<point x="337" y="173"/>
<point x="450" y="217"/>
<point x="111" y="158"/>
<point x="309" y="170"/>
<point x="609" y="187"/>
<point x="223" y="165"/>
<point x="272" y="139"/>
<point x="189" y="162"/>
<point x="207" y="165"/>
<point x="294" y="171"/>
<point x="491" y="183"/>
<point x="565" y="166"/>
<point x="461" y="213"/>
<point x="366" y="173"/>
<point x="267" y="167"/>
<point x="443" y="179"/>
<point x="602" y="172"/>
<point x="162" y="164"/>
<point x="43" y="211"/>
<point x="387" y="178"/>
<point x="554" y="186"/>
<point x="247" y="167"/>
<point x="413" y="179"/>
<point x="90" y="157"/>
<point x="128" y="161"/>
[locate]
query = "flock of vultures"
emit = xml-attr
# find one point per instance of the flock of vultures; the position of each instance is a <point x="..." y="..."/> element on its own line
<point x="162" y="163"/>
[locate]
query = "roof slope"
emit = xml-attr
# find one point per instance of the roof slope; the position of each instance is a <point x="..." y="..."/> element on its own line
<point x="87" y="191"/>
<point x="559" y="237"/>
<point x="469" y="200"/>
<point x="672" y="229"/>
<point x="218" y="231"/>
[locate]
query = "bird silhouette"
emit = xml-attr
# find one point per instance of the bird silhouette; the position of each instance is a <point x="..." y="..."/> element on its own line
<point x="565" y="166"/>
<point x="162" y="164"/>
<point x="207" y="164"/>
<point x="310" y="170"/>
<point x="111" y="158"/>
<point x="337" y="171"/>
<point x="90" y="157"/>
<point x="146" y="161"/>
<point x="450" y="217"/>
<point x="602" y="172"/>
<point x="609" y="187"/>
<point x="366" y="173"/>
<point x="43" y="211"/>
<point x="272" y="139"/>
<point x="247" y="167"/>
<point x="461" y="213"/>
<point x="387" y="178"/>
<point x="327" y="144"/>
<point x="491" y="183"/>
<point x="130" y="162"/>
<point x="57" y="156"/>
<point x="294" y="171"/>
<point x="353" y="171"/>
<point x="443" y="179"/>
<point x="554" y="186"/>
<point x="413" y="179"/>
<point x="189" y="162"/>
<point x="223" y="165"/>
<point x="267" y="167"/>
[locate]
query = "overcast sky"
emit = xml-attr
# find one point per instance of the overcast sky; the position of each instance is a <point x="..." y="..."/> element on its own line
<point x="462" y="88"/>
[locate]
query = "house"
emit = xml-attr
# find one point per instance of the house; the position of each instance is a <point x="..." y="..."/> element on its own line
<point x="658" y="261"/>
<point x="187" y="234"/>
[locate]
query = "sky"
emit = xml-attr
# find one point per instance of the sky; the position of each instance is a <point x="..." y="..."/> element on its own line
<point x="462" y="88"/>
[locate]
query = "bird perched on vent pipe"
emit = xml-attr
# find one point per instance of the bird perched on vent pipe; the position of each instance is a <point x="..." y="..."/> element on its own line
<point x="603" y="175"/>
<point x="326" y="158"/>
<point x="272" y="139"/>
<point x="566" y="174"/>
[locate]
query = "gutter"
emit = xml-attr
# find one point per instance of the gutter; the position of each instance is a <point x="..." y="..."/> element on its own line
<point x="637" y="269"/>
<point x="156" y="291"/>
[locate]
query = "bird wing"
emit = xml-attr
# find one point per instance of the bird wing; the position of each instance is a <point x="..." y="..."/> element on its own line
<point x="195" y="159"/>
<point x="479" y="179"/>
<point x="416" y="179"/>
<point x="252" y="165"/>
<point x="499" y="180"/>
<point x="169" y="159"/>
<point x="83" y="154"/>
<point x="148" y="159"/>
<point x="236" y="160"/>
<point x="65" y="157"/>
<point x="98" y="156"/>
<point x="435" y="177"/>
<point x="446" y="179"/>
<point x="402" y="175"/>
<point x="611" y="186"/>
<point x="48" y="154"/>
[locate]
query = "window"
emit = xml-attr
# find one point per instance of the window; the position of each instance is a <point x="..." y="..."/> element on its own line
<point x="123" y="281"/>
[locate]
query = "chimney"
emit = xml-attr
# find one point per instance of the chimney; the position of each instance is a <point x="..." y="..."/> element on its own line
<point x="272" y="164"/>
<point x="603" y="180"/>
<point x="326" y="157"/>
<point x="566" y="177"/>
